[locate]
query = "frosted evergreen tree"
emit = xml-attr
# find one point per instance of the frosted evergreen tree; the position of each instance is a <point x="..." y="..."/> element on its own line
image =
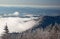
<point x="5" y="35"/>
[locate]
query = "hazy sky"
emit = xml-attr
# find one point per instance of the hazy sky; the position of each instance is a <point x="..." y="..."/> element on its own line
<point x="34" y="3"/>
<point x="30" y="2"/>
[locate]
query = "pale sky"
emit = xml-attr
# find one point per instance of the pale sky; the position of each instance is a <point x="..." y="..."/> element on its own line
<point x="30" y="2"/>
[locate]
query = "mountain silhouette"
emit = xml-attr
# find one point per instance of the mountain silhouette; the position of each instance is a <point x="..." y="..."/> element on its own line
<point x="48" y="20"/>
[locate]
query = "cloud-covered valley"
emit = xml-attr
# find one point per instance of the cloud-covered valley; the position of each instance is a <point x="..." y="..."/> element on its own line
<point x="16" y="24"/>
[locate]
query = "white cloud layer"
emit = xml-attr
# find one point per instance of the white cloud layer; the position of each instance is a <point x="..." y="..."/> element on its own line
<point x="16" y="24"/>
<point x="16" y="13"/>
<point x="30" y="15"/>
<point x="12" y="14"/>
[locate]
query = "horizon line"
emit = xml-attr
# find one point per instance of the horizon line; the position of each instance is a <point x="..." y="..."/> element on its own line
<point x="36" y="6"/>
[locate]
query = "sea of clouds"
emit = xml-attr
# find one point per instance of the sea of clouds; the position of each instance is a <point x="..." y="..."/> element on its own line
<point x="16" y="24"/>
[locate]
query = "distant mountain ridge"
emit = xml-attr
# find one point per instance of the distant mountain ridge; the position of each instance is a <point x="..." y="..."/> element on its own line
<point x="48" y="20"/>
